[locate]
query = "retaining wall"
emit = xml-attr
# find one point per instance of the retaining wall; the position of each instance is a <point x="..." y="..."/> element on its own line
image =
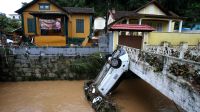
<point x="31" y="68"/>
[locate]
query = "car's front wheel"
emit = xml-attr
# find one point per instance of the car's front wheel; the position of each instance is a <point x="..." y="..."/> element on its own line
<point x="116" y="63"/>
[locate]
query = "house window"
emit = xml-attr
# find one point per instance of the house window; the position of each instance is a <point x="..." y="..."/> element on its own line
<point x="44" y="6"/>
<point x="31" y="25"/>
<point x="51" y="26"/>
<point x="79" y="26"/>
<point x="159" y="27"/>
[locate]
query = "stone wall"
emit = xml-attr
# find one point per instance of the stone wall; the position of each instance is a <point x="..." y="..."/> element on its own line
<point x="30" y="68"/>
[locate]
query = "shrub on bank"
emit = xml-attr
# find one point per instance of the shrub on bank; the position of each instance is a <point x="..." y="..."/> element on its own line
<point x="87" y="66"/>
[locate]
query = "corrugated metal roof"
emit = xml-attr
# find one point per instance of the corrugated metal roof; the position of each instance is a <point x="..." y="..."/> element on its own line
<point x="131" y="27"/>
<point x="79" y="10"/>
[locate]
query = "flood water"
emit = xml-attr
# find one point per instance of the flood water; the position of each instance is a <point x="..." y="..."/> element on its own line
<point x="50" y="96"/>
<point x="135" y="95"/>
<point x="67" y="96"/>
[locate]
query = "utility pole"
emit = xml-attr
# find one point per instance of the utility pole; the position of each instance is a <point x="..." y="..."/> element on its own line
<point x="107" y="14"/>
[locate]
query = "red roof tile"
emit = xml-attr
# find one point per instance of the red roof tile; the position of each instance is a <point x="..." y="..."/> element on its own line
<point x="131" y="27"/>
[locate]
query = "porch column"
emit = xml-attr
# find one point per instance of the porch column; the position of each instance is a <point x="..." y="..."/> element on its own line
<point x="115" y="40"/>
<point x="170" y="26"/>
<point x="145" y="40"/>
<point x="65" y="21"/>
<point x="127" y="22"/>
<point x="140" y="21"/>
<point x="180" y="26"/>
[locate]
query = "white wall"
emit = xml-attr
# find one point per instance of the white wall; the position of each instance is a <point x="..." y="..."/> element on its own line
<point x="14" y="16"/>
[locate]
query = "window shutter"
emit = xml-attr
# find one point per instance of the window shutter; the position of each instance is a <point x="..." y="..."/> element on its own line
<point x="79" y="26"/>
<point x="31" y="25"/>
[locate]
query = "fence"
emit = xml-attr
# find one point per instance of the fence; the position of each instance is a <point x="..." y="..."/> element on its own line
<point x="182" y="51"/>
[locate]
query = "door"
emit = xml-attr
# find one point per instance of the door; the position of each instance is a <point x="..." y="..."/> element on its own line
<point x="131" y="41"/>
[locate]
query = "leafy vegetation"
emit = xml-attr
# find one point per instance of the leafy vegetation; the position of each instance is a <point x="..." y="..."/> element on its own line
<point x="186" y="71"/>
<point x="89" y="66"/>
<point x="8" y="25"/>
<point x="152" y="60"/>
<point x="188" y="55"/>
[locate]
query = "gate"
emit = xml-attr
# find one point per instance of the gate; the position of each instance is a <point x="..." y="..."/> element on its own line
<point x="131" y="41"/>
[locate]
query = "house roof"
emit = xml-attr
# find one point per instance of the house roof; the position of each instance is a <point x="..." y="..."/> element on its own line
<point x="47" y="14"/>
<point x="158" y="5"/>
<point x="131" y="27"/>
<point x="35" y="1"/>
<point x="79" y="10"/>
<point x="72" y="10"/>
<point x="121" y="14"/>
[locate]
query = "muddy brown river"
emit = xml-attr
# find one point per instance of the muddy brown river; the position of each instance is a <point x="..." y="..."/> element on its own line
<point x="67" y="96"/>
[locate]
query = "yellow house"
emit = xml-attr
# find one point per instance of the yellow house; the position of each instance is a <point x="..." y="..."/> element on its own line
<point x="53" y="25"/>
<point x="152" y="14"/>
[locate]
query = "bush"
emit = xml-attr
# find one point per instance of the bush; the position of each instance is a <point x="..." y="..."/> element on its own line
<point x="89" y="66"/>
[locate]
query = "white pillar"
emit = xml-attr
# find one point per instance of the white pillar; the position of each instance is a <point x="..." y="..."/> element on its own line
<point x="140" y="21"/>
<point x="127" y="22"/>
<point x="115" y="40"/>
<point x="170" y="26"/>
<point x="145" y="40"/>
<point x="183" y="49"/>
<point x="180" y="26"/>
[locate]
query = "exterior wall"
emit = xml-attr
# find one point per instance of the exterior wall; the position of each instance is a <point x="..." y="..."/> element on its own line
<point x="151" y="9"/>
<point x="110" y="19"/>
<point x="26" y="15"/>
<point x="155" y="23"/>
<point x="14" y="16"/>
<point x="50" y="40"/>
<point x="72" y="26"/>
<point x="155" y="38"/>
<point x="133" y="21"/>
<point x="35" y="7"/>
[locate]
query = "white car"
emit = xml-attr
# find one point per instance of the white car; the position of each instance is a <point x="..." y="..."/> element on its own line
<point x="8" y="41"/>
<point x="108" y="78"/>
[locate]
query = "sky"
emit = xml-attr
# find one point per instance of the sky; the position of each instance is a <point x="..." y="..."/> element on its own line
<point x="10" y="6"/>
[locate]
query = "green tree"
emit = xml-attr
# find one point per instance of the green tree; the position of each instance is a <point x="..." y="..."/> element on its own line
<point x="3" y="23"/>
<point x="8" y="25"/>
<point x="184" y="8"/>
